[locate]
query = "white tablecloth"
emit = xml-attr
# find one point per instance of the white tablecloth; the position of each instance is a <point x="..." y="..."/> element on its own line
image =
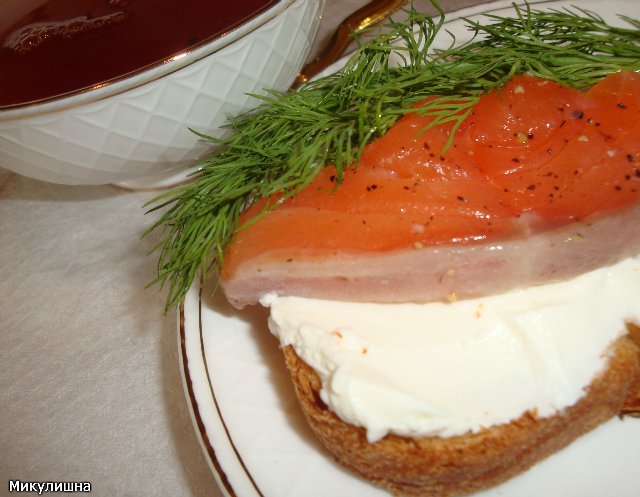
<point x="90" y="388"/>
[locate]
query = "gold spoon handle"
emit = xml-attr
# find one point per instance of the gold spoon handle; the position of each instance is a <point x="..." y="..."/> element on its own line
<point x="363" y="18"/>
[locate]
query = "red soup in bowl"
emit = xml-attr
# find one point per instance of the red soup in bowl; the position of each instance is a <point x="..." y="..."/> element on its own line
<point x="51" y="48"/>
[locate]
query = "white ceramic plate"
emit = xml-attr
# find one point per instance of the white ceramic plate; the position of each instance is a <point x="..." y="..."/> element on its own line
<point x="257" y="441"/>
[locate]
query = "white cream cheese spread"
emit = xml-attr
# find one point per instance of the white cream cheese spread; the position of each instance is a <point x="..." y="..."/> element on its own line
<point x="448" y="368"/>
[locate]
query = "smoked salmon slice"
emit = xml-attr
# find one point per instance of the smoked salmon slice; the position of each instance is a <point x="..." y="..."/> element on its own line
<point x="541" y="182"/>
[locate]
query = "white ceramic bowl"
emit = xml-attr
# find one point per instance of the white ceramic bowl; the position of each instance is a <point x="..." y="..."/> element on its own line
<point x="135" y="131"/>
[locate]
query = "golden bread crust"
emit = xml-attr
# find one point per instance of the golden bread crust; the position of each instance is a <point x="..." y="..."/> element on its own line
<point x="632" y="404"/>
<point x="441" y="467"/>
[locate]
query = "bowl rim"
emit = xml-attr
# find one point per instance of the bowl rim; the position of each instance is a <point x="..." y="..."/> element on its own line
<point x="150" y="72"/>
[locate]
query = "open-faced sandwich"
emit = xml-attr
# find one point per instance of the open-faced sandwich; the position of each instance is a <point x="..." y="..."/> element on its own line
<point x="449" y="246"/>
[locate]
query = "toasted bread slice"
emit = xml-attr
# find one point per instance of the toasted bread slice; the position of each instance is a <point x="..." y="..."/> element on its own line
<point x="632" y="404"/>
<point x="440" y="467"/>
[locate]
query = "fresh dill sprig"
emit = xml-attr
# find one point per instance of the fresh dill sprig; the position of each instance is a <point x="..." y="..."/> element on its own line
<point x="277" y="149"/>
